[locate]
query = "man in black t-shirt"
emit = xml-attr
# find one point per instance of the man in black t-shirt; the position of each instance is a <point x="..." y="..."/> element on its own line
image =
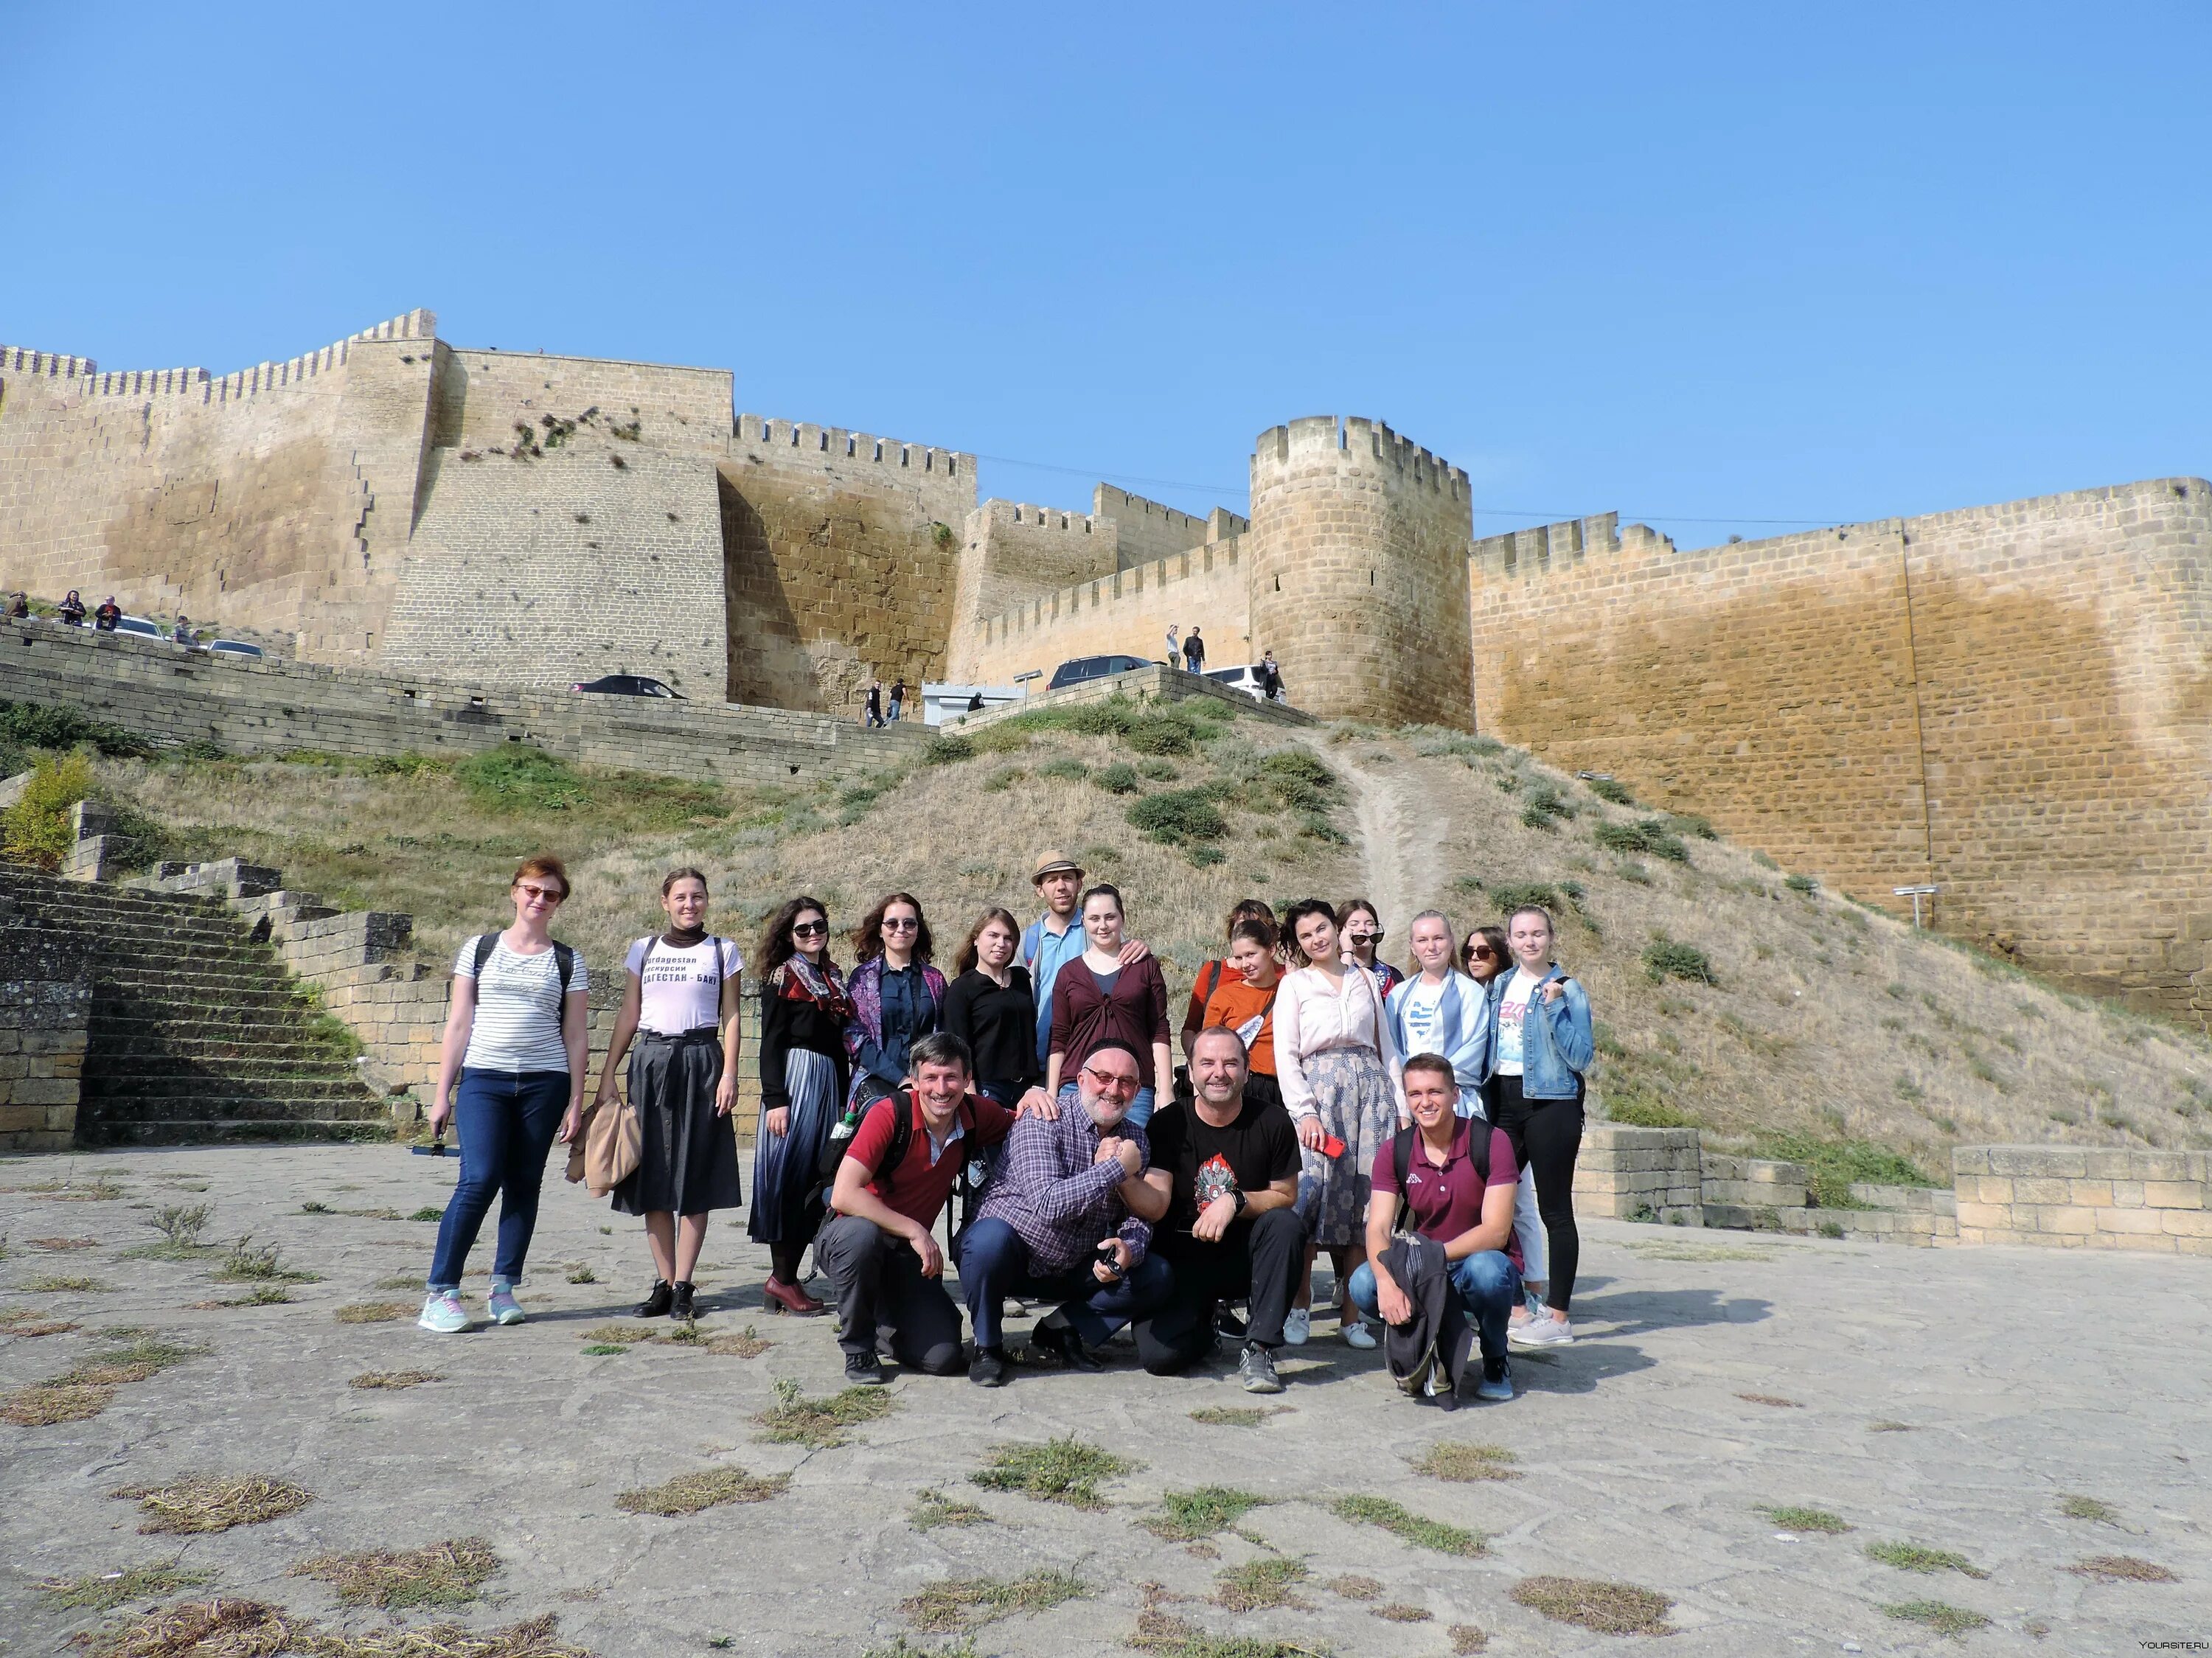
<point x="1230" y="1168"/>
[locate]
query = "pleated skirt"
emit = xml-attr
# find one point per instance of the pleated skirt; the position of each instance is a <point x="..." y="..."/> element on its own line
<point x="1353" y="1092"/>
<point x="687" y="1157"/>
<point x="786" y="1179"/>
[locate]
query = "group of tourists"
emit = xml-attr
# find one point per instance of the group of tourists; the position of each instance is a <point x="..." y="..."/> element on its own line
<point x="1420" y="1126"/>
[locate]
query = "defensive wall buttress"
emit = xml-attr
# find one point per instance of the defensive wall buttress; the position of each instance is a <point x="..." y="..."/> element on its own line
<point x="2011" y="704"/>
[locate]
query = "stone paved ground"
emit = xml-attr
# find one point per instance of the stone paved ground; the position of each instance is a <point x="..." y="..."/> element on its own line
<point x="2019" y="1376"/>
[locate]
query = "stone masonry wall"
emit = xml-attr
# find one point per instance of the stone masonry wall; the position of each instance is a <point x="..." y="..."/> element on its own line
<point x="482" y="396"/>
<point x="1014" y="554"/>
<point x="597" y="557"/>
<point x="1147" y="531"/>
<point x="1356" y="568"/>
<point x="841" y="552"/>
<point x="2007" y="702"/>
<point x="2085" y="1196"/>
<point x="45" y="1011"/>
<point x="253" y="497"/>
<point x="265" y="707"/>
<point x="1126" y="611"/>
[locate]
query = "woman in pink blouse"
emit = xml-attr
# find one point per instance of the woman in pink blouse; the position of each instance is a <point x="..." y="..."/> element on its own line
<point x="1338" y="1069"/>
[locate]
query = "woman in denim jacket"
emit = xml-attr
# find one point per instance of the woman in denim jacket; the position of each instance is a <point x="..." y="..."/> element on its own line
<point x="1541" y="1046"/>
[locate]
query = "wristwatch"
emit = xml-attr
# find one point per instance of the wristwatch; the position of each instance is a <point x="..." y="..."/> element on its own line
<point x="1238" y="1194"/>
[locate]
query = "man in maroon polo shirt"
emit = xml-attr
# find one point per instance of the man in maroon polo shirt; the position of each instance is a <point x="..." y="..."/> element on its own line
<point x="1450" y="1198"/>
<point x="878" y="1251"/>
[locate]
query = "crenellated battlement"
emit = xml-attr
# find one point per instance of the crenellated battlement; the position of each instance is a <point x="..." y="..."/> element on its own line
<point x="802" y="440"/>
<point x="51" y="365"/>
<point x="197" y="383"/>
<point x="1300" y="445"/>
<point x="1033" y="517"/>
<point x="1523" y="552"/>
<point x="1207" y="564"/>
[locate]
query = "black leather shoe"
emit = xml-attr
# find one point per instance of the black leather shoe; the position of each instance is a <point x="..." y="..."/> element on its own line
<point x="657" y="1304"/>
<point x="1067" y="1346"/>
<point x="679" y="1303"/>
<point x="862" y="1370"/>
<point x="988" y="1368"/>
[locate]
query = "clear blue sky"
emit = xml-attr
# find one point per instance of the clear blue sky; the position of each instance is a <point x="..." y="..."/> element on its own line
<point x="1725" y="262"/>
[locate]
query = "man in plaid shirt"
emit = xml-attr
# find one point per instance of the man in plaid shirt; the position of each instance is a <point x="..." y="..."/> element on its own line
<point x="1069" y="1194"/>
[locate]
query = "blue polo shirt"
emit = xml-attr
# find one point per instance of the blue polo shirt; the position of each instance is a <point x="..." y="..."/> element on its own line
<point x="1044" y="952"/>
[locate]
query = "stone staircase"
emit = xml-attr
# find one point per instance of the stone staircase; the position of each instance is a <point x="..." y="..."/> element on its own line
<point x="198" y="1033"/>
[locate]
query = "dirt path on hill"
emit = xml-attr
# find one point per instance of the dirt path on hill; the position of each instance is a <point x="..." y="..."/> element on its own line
<point x="1402" y="859"/>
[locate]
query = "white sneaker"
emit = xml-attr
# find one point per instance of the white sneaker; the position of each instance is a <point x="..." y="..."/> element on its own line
<point x="1297" y="1325"/>
<point x="1545" y="1332"/>
<point x="1357" y="1334"/>
<point x="442" y="1311"/>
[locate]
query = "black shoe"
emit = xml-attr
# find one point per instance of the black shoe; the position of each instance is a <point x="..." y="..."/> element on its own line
<point x="1067" y="1346"/>
<point x="680" y="1304"/>
<point x="656" y="1305"/>
<point x="1229" y="1325"/>
<point x="862" y="1370"/>
<point x="988" y="1369"/>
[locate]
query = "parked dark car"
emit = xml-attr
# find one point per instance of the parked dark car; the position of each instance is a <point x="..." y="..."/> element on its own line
<point x="629" y="684"/>
<point x="1093" y="667"/>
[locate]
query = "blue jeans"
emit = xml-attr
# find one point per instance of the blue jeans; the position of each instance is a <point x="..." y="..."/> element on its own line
<point x="1487" y="1283"/>
<point x="507" y="1121"/>
<point x="1140" y="1107"/>
<point x="994" y="1263"/>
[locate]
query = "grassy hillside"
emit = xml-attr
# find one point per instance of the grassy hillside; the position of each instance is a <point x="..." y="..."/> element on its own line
<point x="1728" y="995"/>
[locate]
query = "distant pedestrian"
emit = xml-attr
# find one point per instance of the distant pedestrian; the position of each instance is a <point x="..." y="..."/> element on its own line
<point x="1542" y="1045"/>
<point x="183" y="635"/>
<point x="873" y="698"/>
<point x="898" y="699"/>
<point x="976" y="702"/>
<point x="1271" y="678"/>
<point x="1174" y="646"/>
<point x="514" y="1058"/>
<point x="681" y="1004"/>
<point x="104" y="619"/>
<point x="72" y="610"/>
<point x="804" y="1071"/>
<point x="19" y="608"/>
<point x="1193" y="653"/>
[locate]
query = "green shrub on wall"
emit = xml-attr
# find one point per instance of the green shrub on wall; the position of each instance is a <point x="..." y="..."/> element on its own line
<point x="36" y="829"/>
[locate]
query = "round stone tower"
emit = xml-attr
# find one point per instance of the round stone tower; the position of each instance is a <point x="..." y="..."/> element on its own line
<point x="1357" y="573"/>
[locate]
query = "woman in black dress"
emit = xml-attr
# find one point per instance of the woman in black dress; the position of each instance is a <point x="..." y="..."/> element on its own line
<point x="803" y="1075"/>
<point x="991" y="1007"/>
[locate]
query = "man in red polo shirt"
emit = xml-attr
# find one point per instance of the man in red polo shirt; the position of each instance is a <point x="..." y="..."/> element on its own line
<point x="879" y="1251"/>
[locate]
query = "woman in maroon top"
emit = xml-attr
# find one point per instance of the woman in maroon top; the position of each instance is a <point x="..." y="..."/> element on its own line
<point x="1094" y="997"/>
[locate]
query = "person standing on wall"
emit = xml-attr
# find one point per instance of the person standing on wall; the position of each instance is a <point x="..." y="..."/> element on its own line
<point x="681" y="1005"/>
<point x="1193" y="653"/>
<point x="1228" y="1163"/>
<point x="1441" y="1010"/>
<point x="72" y="610"/>
<point x="1271" y="678"/>
<point x="1543" y="1046"/>
<point x="898" y="699"/>
<point x="514" y="1055"/>
<point x="1175" y="647"/>
<point x="897" y="996"/>
<point x="1339" y="1070"/>
<point x="19" y="608"/>
<point x="873" y="701"/>
<point x="803" y="1071"/>
<point x="104" y="619"/>
<point x="1101" y="997"/>
<point x="183" y="634"/>
<point x="1056" y="937"/>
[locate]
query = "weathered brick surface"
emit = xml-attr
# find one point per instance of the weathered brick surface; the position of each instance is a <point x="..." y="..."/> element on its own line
<point x="1121" y="610"/>
<point x="2004" y="702"/>
<point x="45" y="1012"/>
<point x="2109" y="1197"/>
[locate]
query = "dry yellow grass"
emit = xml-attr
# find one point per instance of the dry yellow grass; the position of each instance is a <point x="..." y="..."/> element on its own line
<point x="214" y="1502"/>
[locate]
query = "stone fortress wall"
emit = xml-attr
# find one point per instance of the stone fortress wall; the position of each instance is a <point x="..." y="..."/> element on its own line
<point x="2009" y="703"/>
<point x="2006" y="702"/>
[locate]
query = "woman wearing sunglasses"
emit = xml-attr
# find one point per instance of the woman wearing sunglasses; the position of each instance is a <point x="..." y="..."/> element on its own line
<point x="803" y="1072"/>
<point x="896" y="994"/>
<point x="1363" y="931"/>
<point x="511" y="1076"/>
<point x="1482" y="953"/>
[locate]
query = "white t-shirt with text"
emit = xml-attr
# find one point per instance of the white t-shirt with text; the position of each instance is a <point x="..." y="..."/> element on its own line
<point x="678" y="988"/>
<point x="1511" y="1009"/>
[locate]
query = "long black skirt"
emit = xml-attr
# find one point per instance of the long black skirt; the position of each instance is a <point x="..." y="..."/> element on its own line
<point x="688" y="1160"/>
<point x="787" y="1207"/>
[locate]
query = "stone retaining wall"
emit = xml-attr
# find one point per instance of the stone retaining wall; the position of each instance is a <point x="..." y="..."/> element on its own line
<point x="2085" y="1196"/>
<point x="46" y="1010"/>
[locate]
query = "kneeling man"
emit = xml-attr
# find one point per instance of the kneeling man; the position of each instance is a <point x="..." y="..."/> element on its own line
<point x="1066" y="1218"/>
<point x="1228" y="1165"/>
<point x="1440" y="1245"/>
<point x="877" y="1249"/>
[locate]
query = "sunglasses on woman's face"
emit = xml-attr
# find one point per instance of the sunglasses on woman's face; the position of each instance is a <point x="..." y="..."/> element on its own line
<point x="809" y="929"/>
<point x="543" y="894"/>
<point x="1481" y="953"/>
<point x="900" y="924"/>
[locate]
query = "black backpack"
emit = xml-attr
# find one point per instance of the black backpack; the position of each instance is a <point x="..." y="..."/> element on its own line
<point x="1401" y="1158"/>
<point x="970" y="1186"/>
<point x="564" y="959"/>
